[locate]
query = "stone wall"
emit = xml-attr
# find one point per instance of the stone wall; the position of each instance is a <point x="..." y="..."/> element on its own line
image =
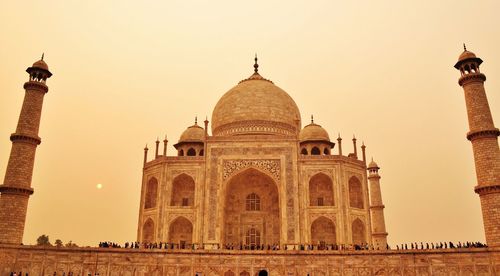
<point x="106" y="261"/>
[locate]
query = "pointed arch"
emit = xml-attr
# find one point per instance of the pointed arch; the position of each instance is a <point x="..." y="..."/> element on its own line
<point x="191" y="152"/>
<point x="244" y="273"/>
<point x="237" y="220"/>
<point x="151" y="193"/>
<point x="229" y="273"/>
<point x="358" y="232"/>
<point x="183" y="189"/>
<point x="323" y="231"/>
<point x="315" y="151"/>
<point x="181" y="152"/>
<point x="355" y="193"/>
<point x="321" y="190"/>
<point x="180" y="232"/>
<point x="148" y="231"/>
<point x="303" y="151"/>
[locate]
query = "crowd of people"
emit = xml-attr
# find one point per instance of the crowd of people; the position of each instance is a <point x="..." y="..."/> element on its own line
<point x="440" y="245"/>
<point x="276" y="247"/>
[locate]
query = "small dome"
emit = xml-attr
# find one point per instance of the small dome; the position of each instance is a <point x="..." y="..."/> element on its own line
<point x="313" y="132"/>
<point x="466" y="55"/>
<point x="373" y="165"/>
<point x="41" y="64"/>
<point x="194" y="133"/>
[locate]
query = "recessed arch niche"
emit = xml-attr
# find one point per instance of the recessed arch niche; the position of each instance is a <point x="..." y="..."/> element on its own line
<point x="238" y="221"/>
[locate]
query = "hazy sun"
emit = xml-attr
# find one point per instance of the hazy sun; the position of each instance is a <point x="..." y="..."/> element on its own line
<point x="99" y="186"/>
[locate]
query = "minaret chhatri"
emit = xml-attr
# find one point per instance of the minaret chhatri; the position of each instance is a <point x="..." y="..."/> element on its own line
<point x="16" y="188"/>
<point x="484" y="138"/>
<point x="379" y="234"/>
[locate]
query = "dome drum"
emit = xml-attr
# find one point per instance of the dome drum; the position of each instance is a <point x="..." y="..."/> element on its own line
<point x="331" y="144"/>
<point x="255" y="127"/>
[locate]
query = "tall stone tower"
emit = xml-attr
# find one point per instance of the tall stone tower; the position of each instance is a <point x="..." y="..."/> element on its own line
<point x="483" y="136"/>
<point x="16" y="188"/>
<point x="379" y="234"/>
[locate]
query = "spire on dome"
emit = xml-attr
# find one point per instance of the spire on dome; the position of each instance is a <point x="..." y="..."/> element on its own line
<point x="312" y="119"/>
<point x="256" y="65"/>
<point x="465" y="48"/>
<point x="43" y="54"/>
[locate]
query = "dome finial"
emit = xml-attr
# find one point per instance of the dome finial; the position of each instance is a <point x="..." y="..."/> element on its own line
<point x="465" y="48"/>
<point x="196" y="119"/>
<point x="43" y="54"/>
<point x="312" y="119"/>
<point x="256" y="65"/>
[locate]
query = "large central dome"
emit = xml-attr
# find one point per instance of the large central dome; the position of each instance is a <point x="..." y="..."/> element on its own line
<point x="256" y="106"/>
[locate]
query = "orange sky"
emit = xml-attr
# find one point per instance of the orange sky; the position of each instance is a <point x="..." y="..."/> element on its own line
<point x="126" y="72"/>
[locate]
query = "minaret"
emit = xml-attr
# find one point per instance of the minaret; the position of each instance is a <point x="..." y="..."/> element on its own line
<point x="484" y="138"/>
<point x="16" y="188"/>
<point x="379" y="234"/>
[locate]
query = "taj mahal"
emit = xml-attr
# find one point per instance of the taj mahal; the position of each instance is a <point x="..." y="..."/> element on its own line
<point x="260" y="178"/>
<point x="255" y="191"/>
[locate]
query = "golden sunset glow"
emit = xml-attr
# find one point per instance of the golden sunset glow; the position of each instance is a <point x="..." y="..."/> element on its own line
<point x="127" y="72"/>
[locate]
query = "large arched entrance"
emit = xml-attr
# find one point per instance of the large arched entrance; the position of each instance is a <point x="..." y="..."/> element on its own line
<point x="251" y="213"/>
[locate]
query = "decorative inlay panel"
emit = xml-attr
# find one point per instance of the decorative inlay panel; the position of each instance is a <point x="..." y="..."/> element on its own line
<point x="272" y="166"/>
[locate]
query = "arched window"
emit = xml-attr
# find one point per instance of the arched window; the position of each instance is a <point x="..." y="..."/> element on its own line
<point x="191" y="152"/>
<point x="252" y="237"/>
<point x="229" y="273"/>
<point x="355" y="193"/>
<point x="182" y="191"/>
<point x="326" y="151"/>
<point x="358" y="232"/>
<point x="151" y="193"/>
<point x="253" y="202"/>
<point x="244" y="273"/>
<point x="321" y="190"/>
<point x="181" y="153"/>
<point x="148" y="230"/>
<point x="303" y="151"/>
<point x="201" y="152"/>
<point x="315" y="151"/>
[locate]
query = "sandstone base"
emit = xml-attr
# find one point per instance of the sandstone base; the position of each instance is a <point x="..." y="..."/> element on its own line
<point x="108" y="261"/>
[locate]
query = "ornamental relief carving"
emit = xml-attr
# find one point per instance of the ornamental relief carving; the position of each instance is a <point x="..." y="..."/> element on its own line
<point x="314" y="216"/>
<point x="176" y="173"/>
<point x="272" y="166"/>
<point x="327" y="172"/>
<point x="188" y="216"/>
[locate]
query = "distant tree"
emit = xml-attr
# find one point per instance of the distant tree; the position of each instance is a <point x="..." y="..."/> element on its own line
<point x="43" y="240"/>
<point x="71" y="244"/>
<point x="58" y="243"/>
